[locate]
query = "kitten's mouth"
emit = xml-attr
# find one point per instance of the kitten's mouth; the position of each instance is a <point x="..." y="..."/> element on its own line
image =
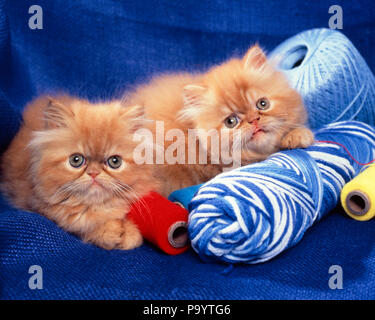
<point x="95" y="184"/>
<point x="257" y="131"/>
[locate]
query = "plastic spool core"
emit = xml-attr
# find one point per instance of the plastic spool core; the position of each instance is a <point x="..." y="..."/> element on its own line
<point x="178" y="234"/>
<point x="358" y="203"/>
<point x="294" y="57"/>
<point x="179" y="204"/>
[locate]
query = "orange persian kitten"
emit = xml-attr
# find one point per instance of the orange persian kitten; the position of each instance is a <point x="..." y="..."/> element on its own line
<point x="247" y="96"/>
<point x="72" y="162"/>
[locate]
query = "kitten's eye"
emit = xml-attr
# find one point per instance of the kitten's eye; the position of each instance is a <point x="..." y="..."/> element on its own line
<point x="231" y="121"/>
<point x="114" y="162"/>
<point x="263" y="104"/>
<point x="76" y="160"/>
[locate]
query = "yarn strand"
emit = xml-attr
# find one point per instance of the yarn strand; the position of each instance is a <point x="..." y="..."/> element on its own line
<point x="341" y="145"/>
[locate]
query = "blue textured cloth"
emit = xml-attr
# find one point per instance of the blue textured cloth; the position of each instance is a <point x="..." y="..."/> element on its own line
<point x="99" y="48"/>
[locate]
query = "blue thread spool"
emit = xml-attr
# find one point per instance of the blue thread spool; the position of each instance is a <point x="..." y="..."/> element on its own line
<point x="183" y="196"/>
<point x="333" y="78"/>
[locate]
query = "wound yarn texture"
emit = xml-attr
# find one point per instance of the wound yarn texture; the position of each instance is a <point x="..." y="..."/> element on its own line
<point x="331" y="75"/>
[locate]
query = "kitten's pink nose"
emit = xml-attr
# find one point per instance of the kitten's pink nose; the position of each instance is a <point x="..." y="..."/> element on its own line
<point x="93" y="174"/>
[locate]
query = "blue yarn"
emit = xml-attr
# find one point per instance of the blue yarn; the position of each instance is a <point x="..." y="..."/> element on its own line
<point x="253" y="213"/>
<point x="331" y="75"/>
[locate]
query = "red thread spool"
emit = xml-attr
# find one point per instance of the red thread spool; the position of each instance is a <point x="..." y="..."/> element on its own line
<point x="161" y="222"/>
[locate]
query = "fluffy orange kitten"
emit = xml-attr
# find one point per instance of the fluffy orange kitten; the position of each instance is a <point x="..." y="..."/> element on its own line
<point x="245" y="95"/>
<point x="72" y="161"/>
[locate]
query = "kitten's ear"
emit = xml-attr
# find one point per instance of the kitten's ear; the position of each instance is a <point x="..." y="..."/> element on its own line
<point x="193" y="95"/>
<point x="56" y="114"/>
<point x="134" y="116"/>
<point x="255" y="58"/>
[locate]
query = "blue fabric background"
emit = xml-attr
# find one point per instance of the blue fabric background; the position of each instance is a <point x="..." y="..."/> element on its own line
<point x="98" y="49"/>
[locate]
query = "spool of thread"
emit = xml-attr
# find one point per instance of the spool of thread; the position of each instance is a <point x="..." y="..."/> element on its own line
<point x="161" y="222"/>
<point x="330" y="74"/>
<point x="358" y="195"/>
<point x="253" y="213"/>
<point x="183" y="196"/>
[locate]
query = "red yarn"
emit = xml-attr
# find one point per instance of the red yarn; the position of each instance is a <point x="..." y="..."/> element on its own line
<point x="161" y="222"/>
<point x="347" y="151"/>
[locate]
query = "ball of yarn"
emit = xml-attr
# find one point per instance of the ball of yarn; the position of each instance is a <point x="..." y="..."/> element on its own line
<point x="255" y="212"/>
<point x="331" y="75"/>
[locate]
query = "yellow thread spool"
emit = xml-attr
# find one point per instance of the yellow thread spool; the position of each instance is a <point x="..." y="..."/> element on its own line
<point x="358" y="195"/>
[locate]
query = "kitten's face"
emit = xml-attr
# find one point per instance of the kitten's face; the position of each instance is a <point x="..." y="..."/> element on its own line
<point x="86" y="154"/>
<point x="249" y="97"/>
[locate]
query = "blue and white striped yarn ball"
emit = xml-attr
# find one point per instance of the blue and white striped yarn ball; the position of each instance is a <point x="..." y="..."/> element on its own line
<point x="331" y="75"/>
<point x="255" y="212"/>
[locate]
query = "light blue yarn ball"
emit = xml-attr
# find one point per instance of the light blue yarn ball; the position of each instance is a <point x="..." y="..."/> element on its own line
<point x="331" y="75"/>
<point x="255" y="212"/>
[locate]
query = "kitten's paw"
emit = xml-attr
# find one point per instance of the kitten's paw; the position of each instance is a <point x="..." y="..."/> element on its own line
<point x="298" y="138"/>
<point x="109" y="235"/>
<point x="116" y="234"/>
<point x="131" y="237"/>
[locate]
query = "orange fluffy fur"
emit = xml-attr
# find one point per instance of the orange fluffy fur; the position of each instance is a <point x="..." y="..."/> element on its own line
<point x="203" y="101"/>
<point x="92" y="200"/>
